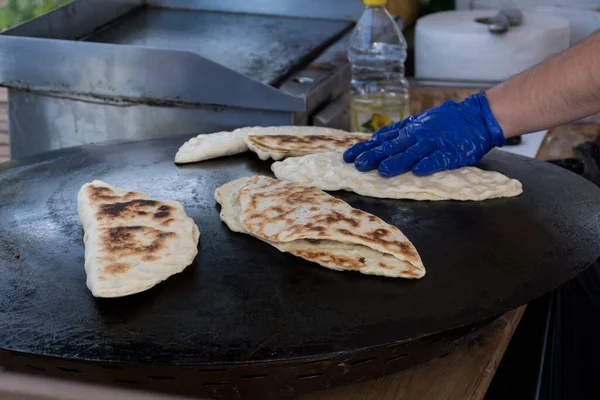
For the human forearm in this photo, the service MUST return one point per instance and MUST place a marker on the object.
(457, 134)
(563, 89)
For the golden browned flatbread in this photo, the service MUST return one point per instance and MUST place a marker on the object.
(328, 171)
(219, 144)
(132, 242)
(311, 224)
(279, 147)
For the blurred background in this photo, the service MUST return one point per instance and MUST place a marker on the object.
(13, 12)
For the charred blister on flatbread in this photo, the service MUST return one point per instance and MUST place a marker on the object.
(100, 194)
(117, 268)
(377, 237)
(280, 211)
(305, 143)
(163, 212)
(126, 209)
(133, 209)
(313, 225)
(336, 261)
(125, 241)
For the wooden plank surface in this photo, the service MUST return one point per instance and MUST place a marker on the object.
(464, 374)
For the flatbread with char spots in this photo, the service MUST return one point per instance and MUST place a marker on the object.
(308, 223)
(132, 242)
(279, 147)
(207, 146)
(328, 171)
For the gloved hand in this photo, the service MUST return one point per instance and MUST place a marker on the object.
(449, 136)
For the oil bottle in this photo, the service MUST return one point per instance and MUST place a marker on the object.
(377, 52)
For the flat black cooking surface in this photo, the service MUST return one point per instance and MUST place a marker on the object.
(242, 300)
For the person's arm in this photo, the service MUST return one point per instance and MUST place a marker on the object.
(454, 135)
(560, 90)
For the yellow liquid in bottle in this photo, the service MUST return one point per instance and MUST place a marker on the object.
(369, 113)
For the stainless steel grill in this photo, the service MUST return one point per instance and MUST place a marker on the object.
(97, 70)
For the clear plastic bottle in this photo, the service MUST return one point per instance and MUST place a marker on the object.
(378, 90)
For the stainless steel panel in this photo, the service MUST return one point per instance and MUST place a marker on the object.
(323, 79)
(135, 73)
(264, 48)
(433, 83)
(328, 9)
(132, 73)
(335, 115)
(40, 123)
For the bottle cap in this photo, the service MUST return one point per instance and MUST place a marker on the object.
(375, 2)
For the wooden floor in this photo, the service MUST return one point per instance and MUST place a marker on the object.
(4, 154)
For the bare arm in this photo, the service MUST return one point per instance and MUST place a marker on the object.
(454, 135)
(560, 90)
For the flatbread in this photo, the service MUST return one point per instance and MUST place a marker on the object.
(220, 144)
(279, 147)
(132, 242)
(308, 223)
(328, 171)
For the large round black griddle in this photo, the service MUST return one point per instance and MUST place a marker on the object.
(243, 305)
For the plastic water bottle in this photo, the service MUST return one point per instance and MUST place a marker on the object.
(378, 90)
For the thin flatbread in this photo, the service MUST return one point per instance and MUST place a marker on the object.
(308, 223)
(132, 242)
(279, 147)
(328, 171)
(207, 146)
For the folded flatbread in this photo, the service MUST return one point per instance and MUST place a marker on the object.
(279, 147)
(309, 223)
(328, 171)
(220, 144)
(132, 242)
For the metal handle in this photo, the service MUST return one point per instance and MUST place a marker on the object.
(503, 20)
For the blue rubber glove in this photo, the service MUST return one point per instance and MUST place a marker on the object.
(449, 136)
